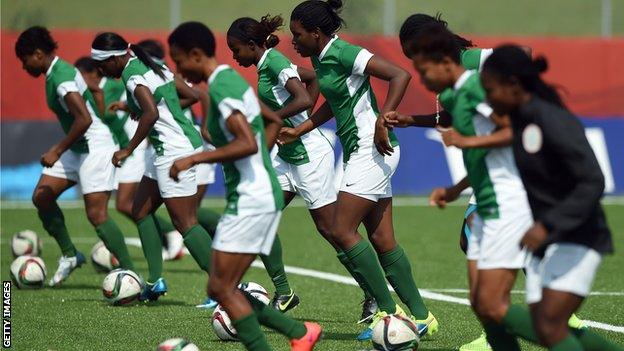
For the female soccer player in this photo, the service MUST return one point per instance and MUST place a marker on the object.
(503, 213)
(112, 92)
(564, 186)
(82, 156)
(153, 98)
(371, 155)
(254, 198)
(305, 166)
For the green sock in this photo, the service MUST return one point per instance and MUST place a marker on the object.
(518, 322)
(274, 319)
(54, 223)
(199, 244)
(570, 343)
(152, 246)
(249, 333)
(342, 257)
(364, 261)
(164, 225)
(593, 341)
(112, 237)
(275, 268)
(399, 274)
(208, 219)
(499, 338)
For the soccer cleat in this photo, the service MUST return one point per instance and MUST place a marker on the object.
(576, 323)
(311, 337)
(367, 333)
(208, 304)
(152, 291)
(369, 308)
(478, 344)
(65, 267)
(426, 327)
(175, 246)
(285, 303)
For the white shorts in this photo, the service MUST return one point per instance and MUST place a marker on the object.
(495, 243)
(133, 168)
(206, 171)
(367, 174)
(93, 171)
(313, 181)
(157, 168)
(253, 234)
(565, 267)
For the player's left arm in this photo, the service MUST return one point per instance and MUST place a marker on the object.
(308, 77)
(398, 80)
(300, 102)
(187, 95)
(272, 124)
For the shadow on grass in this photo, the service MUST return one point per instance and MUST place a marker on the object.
(77, 287)
(339, 336)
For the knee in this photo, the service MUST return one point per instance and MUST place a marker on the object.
(41, 199)
(219, 289)
(124, 207)
(549, 327)
(488, 309)
(182, 225)
(382, 242)
(97, 216)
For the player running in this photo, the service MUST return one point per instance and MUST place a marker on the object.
(153, 99)
(371, 155)
(305, 166)
(254, 198)
(82, 156)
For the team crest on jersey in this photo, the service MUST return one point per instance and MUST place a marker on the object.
(532, 138)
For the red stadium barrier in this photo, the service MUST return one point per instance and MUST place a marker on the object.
(586, 68)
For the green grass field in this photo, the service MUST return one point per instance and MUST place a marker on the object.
(493, 17)
(75, 317)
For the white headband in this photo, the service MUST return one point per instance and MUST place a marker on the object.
(101, 55)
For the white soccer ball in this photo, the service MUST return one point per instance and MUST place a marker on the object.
(26, 242)
(28, 272)
(122, 287)
(102, 259)
(222, 325)
(177, 344)
(256, 290)
(395, 333)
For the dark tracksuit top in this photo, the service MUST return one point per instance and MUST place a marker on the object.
(561, 175)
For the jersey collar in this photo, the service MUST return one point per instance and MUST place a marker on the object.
(263, 58)
(54, 61)
(216, 71)
(102, 83)
(326, 48)
(462, 79)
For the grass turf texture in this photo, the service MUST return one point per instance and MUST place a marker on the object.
(494, 17)
(75, 317)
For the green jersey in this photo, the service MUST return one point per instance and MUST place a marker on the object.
(251, 184)
(274, 70)
(114, 90)
(492, 172)
(340, 72)
(61, 79)
(173, 133)
(471, 59)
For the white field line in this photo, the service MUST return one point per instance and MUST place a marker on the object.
(465, 291)
(407, 201)
(432, 294)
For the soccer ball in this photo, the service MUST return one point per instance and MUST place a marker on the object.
(122, 287)
(222, 325)
(177, 344)
(28, 272)
(102, 259)
(256, 290)
(26, 242)
(395, 333)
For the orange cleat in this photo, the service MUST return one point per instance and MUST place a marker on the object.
(307, 342)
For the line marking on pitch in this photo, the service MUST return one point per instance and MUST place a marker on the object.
(341, 279)
(465, 291)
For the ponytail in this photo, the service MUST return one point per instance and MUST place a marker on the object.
(109, 44)
(247, 29)
(510, 62)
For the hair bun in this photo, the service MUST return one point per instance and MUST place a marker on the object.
(540, 64)
(271, 41)
(335, 5)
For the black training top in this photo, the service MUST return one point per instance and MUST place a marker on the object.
(561, 175)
